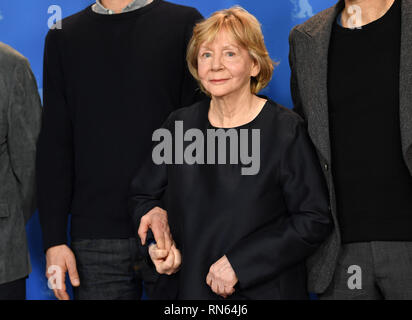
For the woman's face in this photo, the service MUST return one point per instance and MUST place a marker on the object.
(224, 67)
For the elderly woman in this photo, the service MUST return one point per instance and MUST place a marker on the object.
(241, 229)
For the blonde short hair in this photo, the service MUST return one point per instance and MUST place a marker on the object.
(246, 30)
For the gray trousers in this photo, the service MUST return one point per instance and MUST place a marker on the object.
(372, 271)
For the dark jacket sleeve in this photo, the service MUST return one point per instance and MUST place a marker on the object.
(190, 91)
(146, 191)
(294, 88)
(267, 252)
(24, 127)
(55, 149)
(148, 187)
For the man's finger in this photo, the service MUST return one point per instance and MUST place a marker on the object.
(65, 296)
(61, 293)
(159, 236)
(53, 282)
(72, 270)
(56, 281)
(168, 240)
(56, 294)
(143, 229)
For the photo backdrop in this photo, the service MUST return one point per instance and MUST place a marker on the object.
(24, 25)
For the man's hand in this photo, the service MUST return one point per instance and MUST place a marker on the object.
(59, 260)
(166, 262)
(222, 278)
(156, 219)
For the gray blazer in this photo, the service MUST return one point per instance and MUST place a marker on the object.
(309, 44)
(20, 117)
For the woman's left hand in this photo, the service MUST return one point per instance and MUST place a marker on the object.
(164, 261)
(222, 278)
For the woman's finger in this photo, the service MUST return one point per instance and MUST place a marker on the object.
(229, 291)
(209, 280)
(220, 289)
(215, 289)
(168, 263)
(160, 254)
(178, 259)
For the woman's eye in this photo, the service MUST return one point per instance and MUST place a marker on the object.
(206, 55)
(230, 54)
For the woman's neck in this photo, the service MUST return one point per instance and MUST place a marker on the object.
(234, 110)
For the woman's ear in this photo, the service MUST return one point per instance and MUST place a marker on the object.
(255, 68)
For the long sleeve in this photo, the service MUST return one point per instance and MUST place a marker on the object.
(23, 130)
(294, 88)
(147, 189)
(148, 186)
(190, 92)
(265, 253)
(55, 149)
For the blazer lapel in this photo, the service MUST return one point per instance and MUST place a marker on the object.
(318, 117)
(405, 84)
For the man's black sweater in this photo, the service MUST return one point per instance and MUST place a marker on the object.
(373, 184)
(109, 82)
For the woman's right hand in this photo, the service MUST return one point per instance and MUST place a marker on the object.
(166, 262)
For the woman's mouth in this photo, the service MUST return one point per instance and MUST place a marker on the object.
(218, 81)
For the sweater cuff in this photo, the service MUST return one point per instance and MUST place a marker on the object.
(54, 240)
(236, 260)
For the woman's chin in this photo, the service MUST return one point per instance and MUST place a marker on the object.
(220, 93)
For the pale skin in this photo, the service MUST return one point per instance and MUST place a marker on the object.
(166, 262)
(225, 70)
(371, 10)
(62, 256)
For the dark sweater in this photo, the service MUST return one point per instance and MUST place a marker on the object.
(109, 81)
(265, 223)
(373, 184)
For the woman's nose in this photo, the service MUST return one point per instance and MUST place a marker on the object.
(217, 63)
